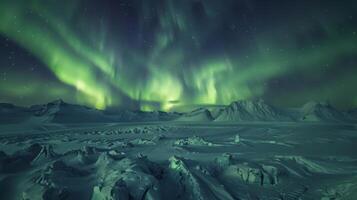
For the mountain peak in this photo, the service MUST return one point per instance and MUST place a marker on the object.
(313, 106)
(251, 110)
(200, 114)
(57, 102)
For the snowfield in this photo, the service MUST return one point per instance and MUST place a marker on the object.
(179, 160)
(246, 150)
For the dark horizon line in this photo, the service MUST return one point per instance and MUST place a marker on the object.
(193, 106)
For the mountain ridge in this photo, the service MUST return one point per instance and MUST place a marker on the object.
(59, 111)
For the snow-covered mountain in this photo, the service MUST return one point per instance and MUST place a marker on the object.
(59, 111)
(321, 111)
(257, 110)
(10, 113)
(201, 114)
(139, 116)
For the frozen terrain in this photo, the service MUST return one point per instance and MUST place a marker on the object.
(257, 152)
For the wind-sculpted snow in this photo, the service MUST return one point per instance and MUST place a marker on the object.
(194, 140)
(126, 178)
(250, 173)
(180, 161)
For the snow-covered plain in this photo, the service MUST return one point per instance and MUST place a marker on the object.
(248, 150)
(180, 160)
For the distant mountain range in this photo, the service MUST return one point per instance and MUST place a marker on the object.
(61, 112)
(259, 110)
(252, 111)
(239, 111)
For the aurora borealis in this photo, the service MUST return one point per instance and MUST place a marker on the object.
(173, 54)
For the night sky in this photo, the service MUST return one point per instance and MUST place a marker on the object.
(178, 54)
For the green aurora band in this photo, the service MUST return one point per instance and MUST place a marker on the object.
(181, 62)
